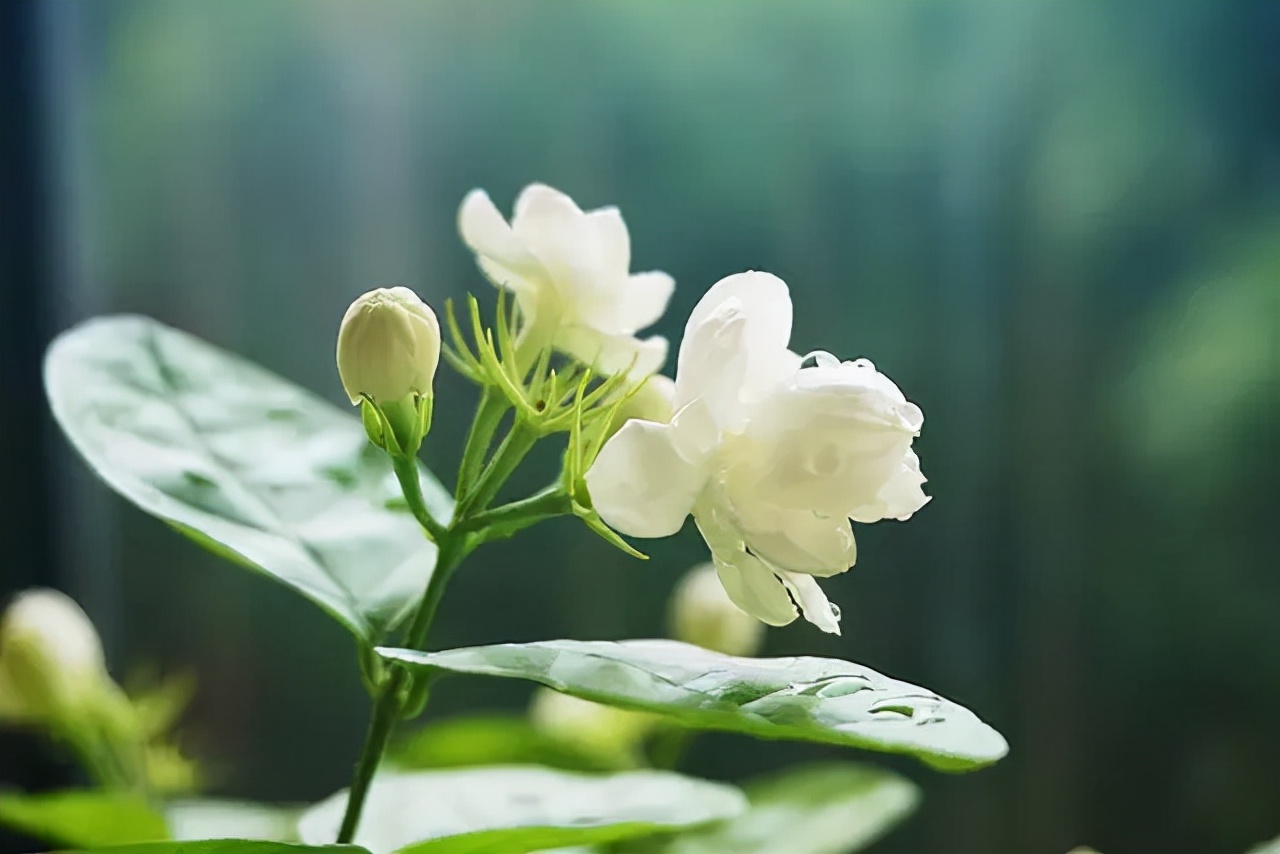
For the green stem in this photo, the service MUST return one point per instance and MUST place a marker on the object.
(511, 518)
(493, 405)
(453, 547)
(406, 469)
(509, 454)
(97, 759)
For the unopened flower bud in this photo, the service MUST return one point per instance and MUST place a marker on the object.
(702, 614)
(605, 729)
(388, 347)
(51, 660)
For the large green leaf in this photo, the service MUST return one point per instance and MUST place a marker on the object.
(513, 810)
(828, 808)
(812, 699)
(216, 818)
(497, 739)
(245, 463)
(226, 846)
(82, 818)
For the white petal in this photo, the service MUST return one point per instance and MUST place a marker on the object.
(642, 299)
(756, 590)
(640, 485)
(553, 228)
(799, 540)
(485, 231)
(900, 497)
(612, 238)
(611, 354)
(814, 604)
(735, 344)
(505, 277)
(570, 249)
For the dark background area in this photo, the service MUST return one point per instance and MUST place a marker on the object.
(1055, 224)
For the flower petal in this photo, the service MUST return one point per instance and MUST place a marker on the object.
(643, 299)
(612, 354)
(735, 344)
(900, 497)
(612, 238)
(813, 603)
(750, 584)
(487, 234)
(552, 226)
(755, 589)
(640, 485)
(799, 540)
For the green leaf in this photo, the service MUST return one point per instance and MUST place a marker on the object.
(496, 740)
(214, 818)
(82, 818)
(245, 463)
(514, 810)
(827, 808)
(228, 846)
(809, 699)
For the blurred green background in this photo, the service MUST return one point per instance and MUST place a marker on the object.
(1055, 224)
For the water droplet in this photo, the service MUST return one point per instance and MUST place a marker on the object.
(835, 611)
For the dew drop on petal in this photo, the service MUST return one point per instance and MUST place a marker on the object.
(835, 610)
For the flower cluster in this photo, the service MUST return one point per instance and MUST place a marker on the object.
(774, 454)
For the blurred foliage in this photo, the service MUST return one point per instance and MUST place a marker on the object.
(1052, 223)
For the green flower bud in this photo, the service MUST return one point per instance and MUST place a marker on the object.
(388, 347)
(606, 730)
(51, 661)
(702, 614)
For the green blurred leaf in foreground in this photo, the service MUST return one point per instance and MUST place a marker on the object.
(520, 809)
(82, 818)
(227, 846)
(807, 699)
(245, 463)
(825, 808)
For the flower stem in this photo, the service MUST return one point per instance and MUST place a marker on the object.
(406, 469)
(493, 405)
(504, 521)
(453, 547)
(509, 454)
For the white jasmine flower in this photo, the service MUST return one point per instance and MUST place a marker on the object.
(772, 456)
(570, 273)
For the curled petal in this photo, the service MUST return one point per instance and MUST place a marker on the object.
(640, 485)
(736, 339)
(900, 497)
(813, 603)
